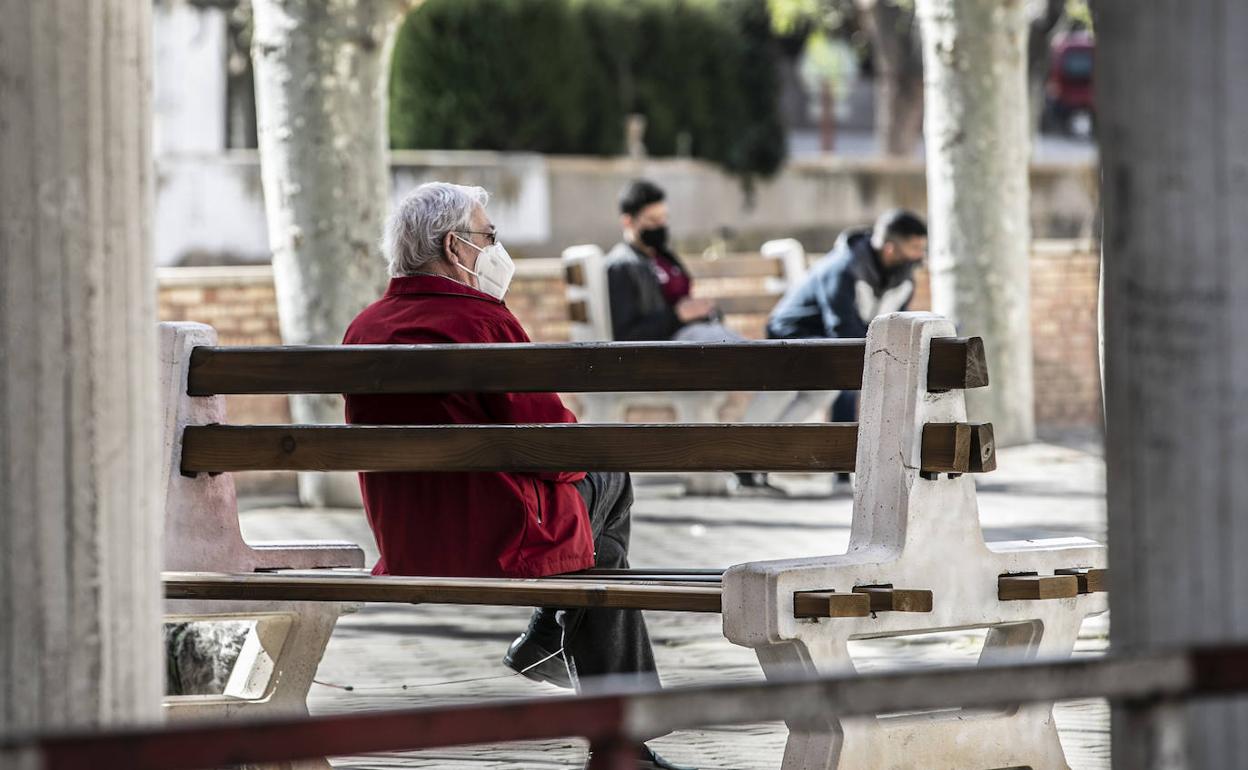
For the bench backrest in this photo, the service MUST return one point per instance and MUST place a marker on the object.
(360, 369)
(202, 530)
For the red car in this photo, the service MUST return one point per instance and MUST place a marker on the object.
(1068, 94)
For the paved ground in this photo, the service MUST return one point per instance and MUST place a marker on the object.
(397, 657)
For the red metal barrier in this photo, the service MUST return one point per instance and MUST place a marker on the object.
(613, 723)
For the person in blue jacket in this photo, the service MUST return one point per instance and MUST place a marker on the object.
(869, 272)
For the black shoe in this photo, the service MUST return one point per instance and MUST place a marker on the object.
(649, 759)
(758, 484)
(530, 658)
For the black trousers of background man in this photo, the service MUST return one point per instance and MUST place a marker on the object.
(602, 642)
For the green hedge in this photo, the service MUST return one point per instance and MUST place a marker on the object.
(558, 76)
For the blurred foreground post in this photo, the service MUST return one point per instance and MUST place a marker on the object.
(80, 525)
(1173, 124)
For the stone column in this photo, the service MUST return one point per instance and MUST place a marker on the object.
(80, 528)
(1173, 124)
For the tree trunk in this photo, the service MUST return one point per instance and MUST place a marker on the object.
(978, 138)
(1173, 123)
(1039, 40)
(898, 74)
(80, 524)
(321, 83)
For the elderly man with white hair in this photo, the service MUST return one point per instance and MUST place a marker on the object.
(449, 275)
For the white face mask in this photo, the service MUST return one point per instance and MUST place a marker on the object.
(494, 268)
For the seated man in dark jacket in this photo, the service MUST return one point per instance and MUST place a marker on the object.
(448, 277)
(868, 273)
(650, 289)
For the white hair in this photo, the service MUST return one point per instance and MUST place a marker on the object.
(417, 227)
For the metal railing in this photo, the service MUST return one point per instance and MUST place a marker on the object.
(614, 722)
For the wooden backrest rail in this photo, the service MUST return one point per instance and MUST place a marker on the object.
(564, 447)
(955, 362)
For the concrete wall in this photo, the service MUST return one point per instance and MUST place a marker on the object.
(209, 205)
(189, 50)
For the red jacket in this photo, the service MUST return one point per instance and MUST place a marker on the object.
(464, 524)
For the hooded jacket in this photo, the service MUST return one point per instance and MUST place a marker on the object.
(842, 293)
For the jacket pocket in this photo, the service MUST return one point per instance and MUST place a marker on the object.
(537, 497)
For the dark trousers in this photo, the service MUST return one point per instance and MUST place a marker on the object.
(601, 642)
(844, 409)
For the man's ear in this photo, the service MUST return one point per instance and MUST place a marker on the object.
(888, 252)
(448, 251)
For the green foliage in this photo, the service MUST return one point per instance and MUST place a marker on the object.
(559, 76)
(1080, 13)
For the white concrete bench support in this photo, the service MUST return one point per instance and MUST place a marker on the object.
(913, 532)
(202, 533)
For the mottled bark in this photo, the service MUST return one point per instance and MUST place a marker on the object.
(321, 82)
(894, 32)
(1172, 107)
(978, 148)
(80, 526)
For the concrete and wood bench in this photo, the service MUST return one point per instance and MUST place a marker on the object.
(917, 560)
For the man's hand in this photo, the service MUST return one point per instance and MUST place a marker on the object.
(693, 309)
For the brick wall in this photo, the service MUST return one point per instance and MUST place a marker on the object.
(239, 302)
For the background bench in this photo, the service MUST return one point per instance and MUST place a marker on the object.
(745, 286)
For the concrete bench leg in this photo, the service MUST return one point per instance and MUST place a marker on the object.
(809, 746)
(275, 668)
(279, 658)
(278, 661)
(1021, 736)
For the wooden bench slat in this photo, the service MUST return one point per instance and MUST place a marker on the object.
(632, 571)
(830, 604)
(425, 590)
(1091, 580)
(735, 267)
(951, 447)
(647, 578)
(960, 366)
(746, 304)
(519, 448)
(889, 599)
(958, 447)
(578, 312)
(540, 592)
(955, 362)
(535, 448)
(1022, 587)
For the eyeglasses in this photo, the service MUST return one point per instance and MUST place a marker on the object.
(490, 235)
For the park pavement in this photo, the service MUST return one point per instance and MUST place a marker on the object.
(396, 656)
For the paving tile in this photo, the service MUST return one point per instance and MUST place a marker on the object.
(401, 656)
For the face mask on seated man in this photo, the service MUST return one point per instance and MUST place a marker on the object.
(494, 269)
